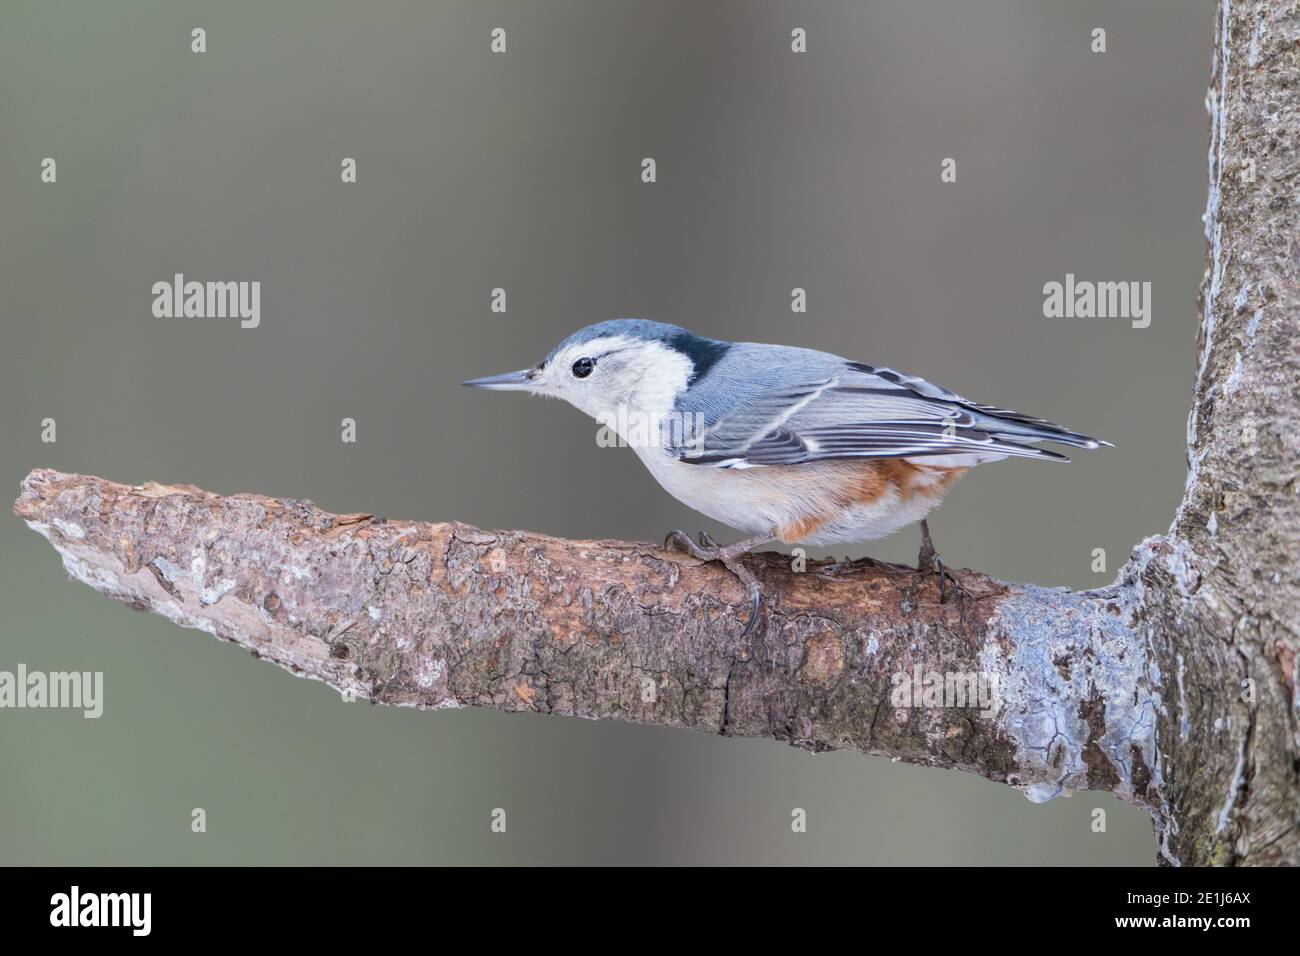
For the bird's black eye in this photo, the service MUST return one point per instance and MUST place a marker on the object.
(582, 368)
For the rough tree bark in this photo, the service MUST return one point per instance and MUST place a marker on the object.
(1175, 687)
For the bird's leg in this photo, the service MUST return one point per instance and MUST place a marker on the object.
(729, 556)
(927, 556)
(927, 559)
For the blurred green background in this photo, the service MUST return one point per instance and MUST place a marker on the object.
(522, 170)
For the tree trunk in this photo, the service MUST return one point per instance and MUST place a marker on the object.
(1174, 687)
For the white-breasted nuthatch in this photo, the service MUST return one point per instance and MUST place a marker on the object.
(780, 442)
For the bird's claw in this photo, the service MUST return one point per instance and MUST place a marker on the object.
(937, 567)
(934, 565)
(681, 541)
(755, 594)
(709, 550)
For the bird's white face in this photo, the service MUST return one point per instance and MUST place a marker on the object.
(613, 379)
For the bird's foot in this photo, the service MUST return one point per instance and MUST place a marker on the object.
(729, 556)
(928, 561)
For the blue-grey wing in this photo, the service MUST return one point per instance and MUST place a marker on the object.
(855, 411)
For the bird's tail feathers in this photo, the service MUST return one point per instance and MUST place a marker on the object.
(1019, 428)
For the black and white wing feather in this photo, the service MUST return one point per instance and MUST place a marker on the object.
(859, 411)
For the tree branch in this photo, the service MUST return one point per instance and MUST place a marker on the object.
(1175, 687)
(445, 615)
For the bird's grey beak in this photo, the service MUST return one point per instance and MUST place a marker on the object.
(508, 382)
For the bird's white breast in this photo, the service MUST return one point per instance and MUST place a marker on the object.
(761, 500)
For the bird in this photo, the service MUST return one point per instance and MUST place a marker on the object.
(779, 442)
